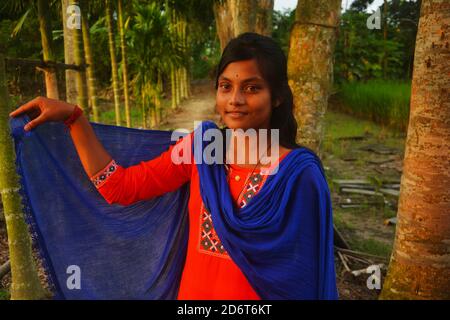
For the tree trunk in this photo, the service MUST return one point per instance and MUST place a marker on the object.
(69, 57)
(172, 82)
(144, 116)
(420, 262)
(25, 280)
(112, 53)
(244, 17)
(185, 46)
(385, 26)
(90, 71)
(78, 50)
(264, 24)
(234, 17)
(224, 22)
(310, 65)
(159, 91)
(124, 63)
(51, 81)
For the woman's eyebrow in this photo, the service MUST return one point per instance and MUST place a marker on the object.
(244, 81)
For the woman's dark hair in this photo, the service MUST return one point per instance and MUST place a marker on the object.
(272, 64)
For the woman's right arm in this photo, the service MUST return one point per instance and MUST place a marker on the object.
(120, 185)
(92, 154)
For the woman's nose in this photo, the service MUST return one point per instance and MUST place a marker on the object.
(237, 98)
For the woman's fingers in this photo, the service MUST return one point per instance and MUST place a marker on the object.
(34, 123)
(30, 105)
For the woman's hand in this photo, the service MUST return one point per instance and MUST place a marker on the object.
(42, 110)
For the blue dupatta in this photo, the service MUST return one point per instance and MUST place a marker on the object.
(282, 240)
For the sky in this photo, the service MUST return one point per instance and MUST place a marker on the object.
(291, 4)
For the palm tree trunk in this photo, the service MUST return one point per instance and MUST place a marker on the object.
(51, 81)
(124, 64)
(144, 119)
(159, 91)
(420, 262)
(173, 88)
(25, 280)
(112, 53)
(385, 26)
(181, 82)
(90, 71)
(185, 46)
(69, 57)
(78, 50)
(310, 65)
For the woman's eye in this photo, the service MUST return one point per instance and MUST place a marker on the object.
(252, 89)
(224, 86)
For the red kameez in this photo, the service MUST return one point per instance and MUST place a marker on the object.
(209, 273)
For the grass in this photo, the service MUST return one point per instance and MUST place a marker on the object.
(4, 294)
(371, 246)
(108, 116)
(385, 102)
(339, 125)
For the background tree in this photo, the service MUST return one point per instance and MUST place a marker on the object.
(69, 56)
(51, 81)
(25, 281)
(80, 75)
(310, 65)
(112, 54)
(151, 57)
(420, 264)
(123, 47)
(234, 17)
(88, 54)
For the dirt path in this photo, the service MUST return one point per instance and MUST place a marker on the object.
(200, 106)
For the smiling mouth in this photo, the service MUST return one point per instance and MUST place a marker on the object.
(236, 114)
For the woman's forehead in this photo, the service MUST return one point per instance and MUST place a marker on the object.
(242, 71)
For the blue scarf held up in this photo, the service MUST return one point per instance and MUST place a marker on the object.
(282, 240)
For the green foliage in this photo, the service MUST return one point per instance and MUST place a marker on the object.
(385, 102)
(154, 47)
(360, 52)
(205, 54)
(282, 22)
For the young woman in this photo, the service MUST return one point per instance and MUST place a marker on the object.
(261, 236)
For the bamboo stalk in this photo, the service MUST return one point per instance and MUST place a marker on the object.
(112, 53)
(124, 64)
(25, 281)
(90, 71)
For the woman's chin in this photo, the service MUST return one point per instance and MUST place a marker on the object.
(236, 125)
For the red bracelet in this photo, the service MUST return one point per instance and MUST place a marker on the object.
(77, 112)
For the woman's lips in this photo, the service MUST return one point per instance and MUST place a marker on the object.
(236, 115)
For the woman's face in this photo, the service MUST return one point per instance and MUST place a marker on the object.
(243, 97)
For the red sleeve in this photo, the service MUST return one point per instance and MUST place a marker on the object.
(147, 179)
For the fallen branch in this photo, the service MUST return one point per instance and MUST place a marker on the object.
(339, 239)
(358, 253)
(344, 262)
(45, 64)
